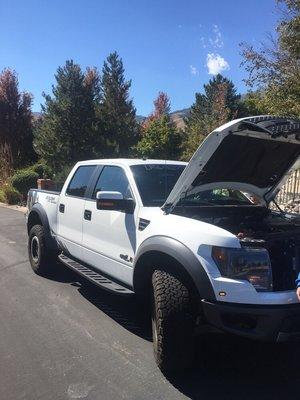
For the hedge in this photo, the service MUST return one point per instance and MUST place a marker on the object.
(42, 170)
(10, 195)
(24, 179)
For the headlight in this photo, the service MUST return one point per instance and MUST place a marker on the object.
(248, 264)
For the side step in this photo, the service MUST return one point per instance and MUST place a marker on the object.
(95, 277)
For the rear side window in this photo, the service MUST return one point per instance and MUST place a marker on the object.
(113, 179)
(80, 181)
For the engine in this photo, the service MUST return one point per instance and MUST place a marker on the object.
(257, 226)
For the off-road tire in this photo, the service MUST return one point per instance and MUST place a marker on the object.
(42, 259)
(173, 322)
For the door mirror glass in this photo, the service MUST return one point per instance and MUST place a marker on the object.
(114, 201)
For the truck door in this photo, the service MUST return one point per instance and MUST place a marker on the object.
(109, 236)
(71, 210)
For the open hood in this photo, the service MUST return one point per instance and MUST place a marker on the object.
(253, 154)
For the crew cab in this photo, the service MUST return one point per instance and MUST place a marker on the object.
(197, 242)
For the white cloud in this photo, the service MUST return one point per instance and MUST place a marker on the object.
(216, 64)
(216, 41)
(193, 70)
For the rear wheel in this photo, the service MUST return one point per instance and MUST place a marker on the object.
(173, 322)
(42, 259)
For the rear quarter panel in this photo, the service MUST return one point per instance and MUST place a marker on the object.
(49, 202)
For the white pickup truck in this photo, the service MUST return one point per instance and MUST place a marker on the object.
(197, 241)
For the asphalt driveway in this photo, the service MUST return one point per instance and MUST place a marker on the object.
(62, 338)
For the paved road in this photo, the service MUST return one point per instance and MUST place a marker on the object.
(65, 339)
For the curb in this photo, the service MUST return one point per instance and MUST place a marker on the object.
(16, 208)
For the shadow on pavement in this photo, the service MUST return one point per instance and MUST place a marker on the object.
(124, 310)
(226, 367)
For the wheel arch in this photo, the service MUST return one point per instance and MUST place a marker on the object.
(173, 256)
(38, 216)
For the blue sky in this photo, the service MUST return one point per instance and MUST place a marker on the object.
(166, 45)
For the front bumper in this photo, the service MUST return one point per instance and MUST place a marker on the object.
(267, 322)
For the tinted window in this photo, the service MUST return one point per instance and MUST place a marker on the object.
(155, 181)
(113, 179)
(80, 181)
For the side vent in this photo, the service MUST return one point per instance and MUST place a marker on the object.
(143, 223)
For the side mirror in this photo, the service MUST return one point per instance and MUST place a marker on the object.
(114, 201)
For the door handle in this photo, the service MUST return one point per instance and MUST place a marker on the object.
(87, 215)
(61, 208)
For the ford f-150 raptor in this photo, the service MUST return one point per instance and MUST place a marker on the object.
(187, 238)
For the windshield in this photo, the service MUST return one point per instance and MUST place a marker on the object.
(219, 197)
(155, 181)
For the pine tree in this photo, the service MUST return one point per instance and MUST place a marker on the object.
(68, 130)
(218, 104)
(159, 135)
(16, 148)
(117, 113)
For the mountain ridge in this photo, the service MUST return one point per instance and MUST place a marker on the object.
(176, 116)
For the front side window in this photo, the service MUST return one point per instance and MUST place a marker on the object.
(113, 179)
(79, 183)
(155, 181)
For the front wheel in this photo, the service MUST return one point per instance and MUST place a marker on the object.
(41, 259)
(173, 322)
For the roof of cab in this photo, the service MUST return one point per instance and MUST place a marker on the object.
(129, 161)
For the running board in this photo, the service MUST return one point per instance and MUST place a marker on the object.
(94, 276)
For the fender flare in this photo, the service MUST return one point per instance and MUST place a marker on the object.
(39, 210)
(184, 256)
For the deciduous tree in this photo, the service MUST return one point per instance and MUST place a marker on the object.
(159, 135)
(218, 104)
(274, 69)
(15, 123)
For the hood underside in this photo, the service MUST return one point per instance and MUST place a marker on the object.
(253, 155)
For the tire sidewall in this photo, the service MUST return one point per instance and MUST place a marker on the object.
(36, 234)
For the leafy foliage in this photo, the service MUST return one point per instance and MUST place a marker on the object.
(42, 169)
(15, 124)
(159, 135)
(2, 196)
(275, 69)
(160, 139)
(61, 175)
(11, 195)
(218, 104)
(24, 179)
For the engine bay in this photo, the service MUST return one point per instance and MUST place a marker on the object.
(258, 226)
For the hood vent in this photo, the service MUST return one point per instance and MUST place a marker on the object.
(143, 223)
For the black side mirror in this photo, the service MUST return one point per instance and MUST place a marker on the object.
(114, 201)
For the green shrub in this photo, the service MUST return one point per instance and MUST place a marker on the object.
(2, 196)
(11, 195)
(43, 170)
(24, 179)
